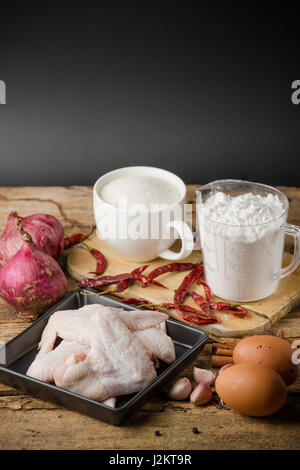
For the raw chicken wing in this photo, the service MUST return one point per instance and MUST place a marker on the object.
(117, 364)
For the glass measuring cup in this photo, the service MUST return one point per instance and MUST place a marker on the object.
(243, 262)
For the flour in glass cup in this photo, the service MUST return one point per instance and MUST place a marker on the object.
(242, 244)
(139, 189)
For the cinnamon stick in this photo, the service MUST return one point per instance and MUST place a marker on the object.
(220, 361)
(222, 352)
(223, 346)
(291, 340)
(225, 341)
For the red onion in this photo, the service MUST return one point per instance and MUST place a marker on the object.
(31, 281)
(45, 230)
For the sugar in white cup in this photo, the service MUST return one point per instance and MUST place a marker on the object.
(116, 225)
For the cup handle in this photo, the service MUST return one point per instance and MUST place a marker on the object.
(294, 231)
(187, 240)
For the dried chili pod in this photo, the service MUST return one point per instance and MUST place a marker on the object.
(123, 285)
(168, 268)
(141, 302)
(158, 284)
(100, 260)
(201, 282)
(104, 281)
(192, 310)
(134, 300)
(136, 273)
(193, 318)
(219, 305)
(74, 240)
(186, 284)
(239, 311)
(145, 281)
(199, 300)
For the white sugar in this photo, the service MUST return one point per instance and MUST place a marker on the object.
(145, 190)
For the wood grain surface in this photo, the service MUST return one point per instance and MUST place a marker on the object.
(29, 423)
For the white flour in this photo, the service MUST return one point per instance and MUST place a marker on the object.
(242, 244)
(243, 215)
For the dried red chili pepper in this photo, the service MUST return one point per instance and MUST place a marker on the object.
(144, 280)
(193, 318)
(138, 276)
(108, 280)
(189, 309)
(100, 259)
(138, 271)
(141, 302)
(168, 268)
(219, 306)
(212, 304)
(239, 311)
(103, 281)
(74, 240)
(236, 310)
(123, 285)
(133, 300)
(201, 282)
(199, 300)
(186, 284)
(156, 283)
(185, 308)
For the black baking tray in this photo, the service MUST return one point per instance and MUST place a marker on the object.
(17, 355)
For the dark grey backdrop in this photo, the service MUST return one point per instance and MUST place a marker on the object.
(202, 91)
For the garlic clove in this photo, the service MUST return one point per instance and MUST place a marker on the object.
(201, 394)
(204, 375)
(224, 367)
(180, 389)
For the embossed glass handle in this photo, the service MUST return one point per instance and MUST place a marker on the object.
(294, 231)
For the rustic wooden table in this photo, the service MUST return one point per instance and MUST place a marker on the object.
(29, 423)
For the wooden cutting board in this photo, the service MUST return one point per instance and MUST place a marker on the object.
(81, 262)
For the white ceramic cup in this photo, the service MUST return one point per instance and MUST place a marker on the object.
(111, 220)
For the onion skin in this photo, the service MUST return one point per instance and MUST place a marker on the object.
(45, 230)
(32, 281)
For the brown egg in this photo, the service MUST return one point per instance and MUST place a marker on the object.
(268, 351)
(251, 390)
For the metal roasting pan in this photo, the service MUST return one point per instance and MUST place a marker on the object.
(17, 355)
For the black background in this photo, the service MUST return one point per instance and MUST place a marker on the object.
(200, 88)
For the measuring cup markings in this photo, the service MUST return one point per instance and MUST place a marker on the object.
(243, 262)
